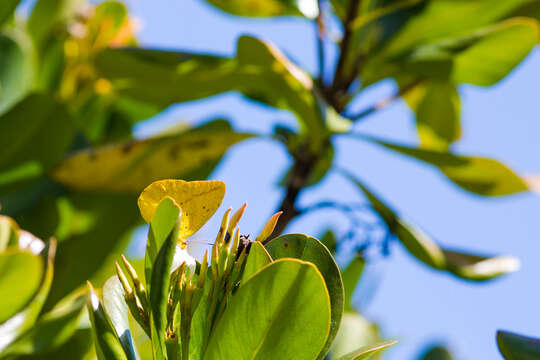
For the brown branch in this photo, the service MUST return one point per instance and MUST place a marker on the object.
(303, 164)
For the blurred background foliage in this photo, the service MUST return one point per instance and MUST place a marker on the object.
(73, 83)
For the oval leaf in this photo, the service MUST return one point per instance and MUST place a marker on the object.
(35, 134)
(25, 319)
(132, 165)
(14, 266)
(16, 71)
(268, 316)
(303, 247)
(479, 175)
(437, 108)
(518, 347)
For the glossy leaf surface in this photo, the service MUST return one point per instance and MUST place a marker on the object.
(269, 315)
(309, 249)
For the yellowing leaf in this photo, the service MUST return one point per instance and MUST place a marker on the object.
(131, 166)
(198, 200)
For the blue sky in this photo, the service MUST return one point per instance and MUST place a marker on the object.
(412, 303)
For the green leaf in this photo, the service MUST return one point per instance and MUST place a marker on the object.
(286, 85)
(52, 330)
(283, 312)
(163, 222)
(46, 14)
(36, 132)
(329, 240)
(25, 319)
(419, 244)
(367, 352)
(108, 222)
(437, 109)
(14, 266)
(7, 9)
(458, 41)
(165, 78)
(517, 347)
(79, 346)
(437, 352)
(422, 247)
(355, 331)
(485, 64)
(108, 346)
(257, 259)
(256, 8)
(350, 276)
(107, 19)
(16, 69)
(414, 240)
(479, 175)
(479, 268)
(8, 232)
(309, 249)
(159, 286)
(442, 19)
(199, 324)
(117, 310)
(131, 166)
(475, 58)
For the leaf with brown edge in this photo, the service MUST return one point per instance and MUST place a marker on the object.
(130, 166)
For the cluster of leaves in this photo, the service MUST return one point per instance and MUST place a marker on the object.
(381, 40)
(70, 167)
(83, 97)
(26, 274)
(71, 92)
(267, 299)
(249, 300)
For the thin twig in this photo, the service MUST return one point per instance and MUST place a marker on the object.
(348, 208)
(385, 102)
(344, 49)
(320, 30)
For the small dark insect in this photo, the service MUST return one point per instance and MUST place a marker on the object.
(245, 243)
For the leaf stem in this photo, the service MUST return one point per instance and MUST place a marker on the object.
(384, 102)
(344, 48)
(320, 30)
